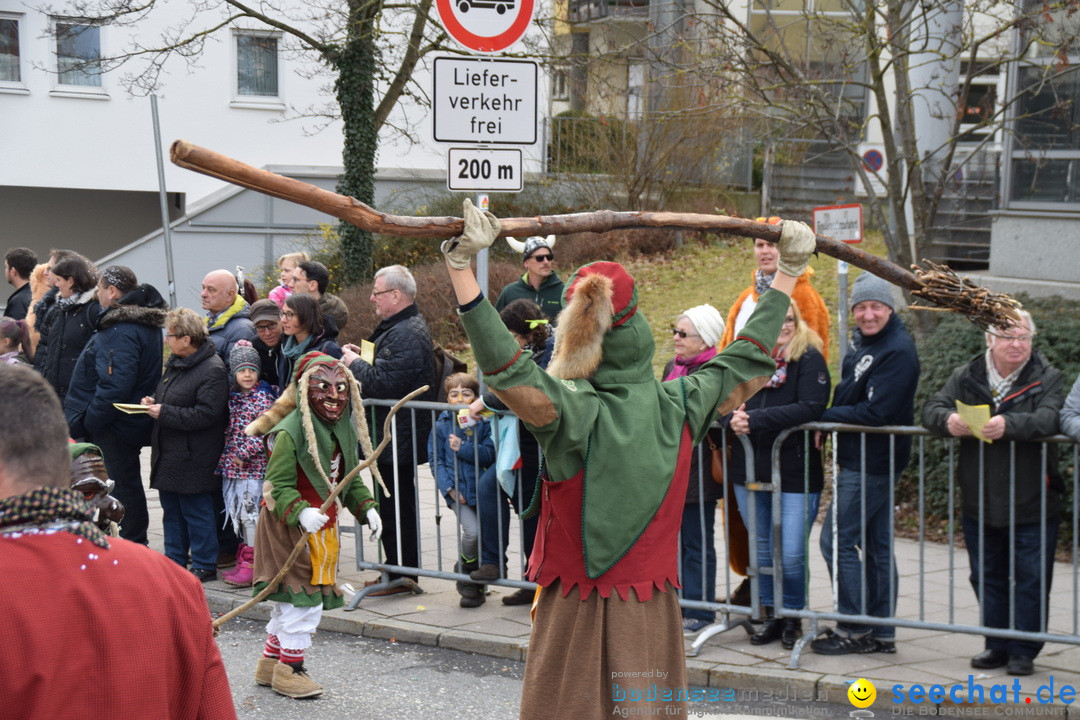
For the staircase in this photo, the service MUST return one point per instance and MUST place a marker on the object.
(961, 236)
(817, 176)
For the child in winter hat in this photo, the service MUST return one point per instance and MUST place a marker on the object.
(243, 462)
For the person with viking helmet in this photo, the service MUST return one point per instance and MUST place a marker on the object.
(313, 430)
(540, 283)
(617, 446)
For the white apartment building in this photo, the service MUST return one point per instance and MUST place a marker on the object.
(79, 168)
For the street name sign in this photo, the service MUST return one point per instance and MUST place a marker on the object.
(482, 101)
(485, 26)
(840, 222)
(490, 170)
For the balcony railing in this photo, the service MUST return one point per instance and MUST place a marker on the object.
(584, 11)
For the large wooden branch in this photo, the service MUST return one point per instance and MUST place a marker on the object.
(208, 162)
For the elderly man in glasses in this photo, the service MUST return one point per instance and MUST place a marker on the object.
(1005, 485)
(540, 283)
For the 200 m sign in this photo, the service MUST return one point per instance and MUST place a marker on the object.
(483, 170)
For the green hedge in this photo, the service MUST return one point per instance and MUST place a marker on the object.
(954, 342)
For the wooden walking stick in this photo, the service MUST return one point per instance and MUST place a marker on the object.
(937, 284)
(331, 498)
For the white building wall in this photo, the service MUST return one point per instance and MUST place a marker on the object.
(104, 140)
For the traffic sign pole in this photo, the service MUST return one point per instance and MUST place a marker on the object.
(841, 222)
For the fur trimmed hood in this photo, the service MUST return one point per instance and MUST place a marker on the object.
(151, 317)
(143, 305)
(601, 335)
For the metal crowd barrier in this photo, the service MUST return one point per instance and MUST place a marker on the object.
(438, 550)
(438, 554)
(924, 618)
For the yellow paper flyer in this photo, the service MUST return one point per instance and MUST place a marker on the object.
(367, 352)
(976, 416)
(131, 408)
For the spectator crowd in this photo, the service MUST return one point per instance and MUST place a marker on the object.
(130, 372)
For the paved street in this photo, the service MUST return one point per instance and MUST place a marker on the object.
(373, 678)
(367, 678)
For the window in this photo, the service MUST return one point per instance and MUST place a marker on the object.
(78, 53)
(635, 86)
(1044, 159)
(980, 105)
(10, 56)
(1046, 156)
(256, 65)
(560, 83)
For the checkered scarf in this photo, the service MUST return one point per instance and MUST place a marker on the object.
(763, 282)
(999, 386)
(50, 510)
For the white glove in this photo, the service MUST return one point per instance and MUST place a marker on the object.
(375, 523)
(797, 243)
(481, 229)
(312, 520)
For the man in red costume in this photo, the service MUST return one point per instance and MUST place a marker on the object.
(105, 628)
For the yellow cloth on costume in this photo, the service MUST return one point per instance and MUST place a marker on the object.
(323, 548)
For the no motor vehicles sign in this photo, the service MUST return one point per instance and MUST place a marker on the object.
(485, 101)
(486, 26)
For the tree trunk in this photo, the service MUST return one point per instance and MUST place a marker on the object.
(355, 92)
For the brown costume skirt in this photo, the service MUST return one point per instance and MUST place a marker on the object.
(274, 541)
(602, 657)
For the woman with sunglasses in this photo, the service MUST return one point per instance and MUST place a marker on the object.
(304, 331)
(797, 393)
(695, 335)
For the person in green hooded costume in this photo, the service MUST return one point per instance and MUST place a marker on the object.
(314, 429)
(617, 446)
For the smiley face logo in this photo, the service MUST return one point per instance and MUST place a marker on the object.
(862, 693)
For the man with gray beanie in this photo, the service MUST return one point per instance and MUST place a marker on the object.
(877, 387)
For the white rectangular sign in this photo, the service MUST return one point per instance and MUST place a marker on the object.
(483, 101)
(473, 170)
(840, 222)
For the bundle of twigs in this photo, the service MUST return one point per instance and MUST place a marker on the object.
(971, 301)
(949, 291)
(301, 543)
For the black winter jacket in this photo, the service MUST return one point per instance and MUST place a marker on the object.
(69, 332)
(801, 399)
(44, 314)
(120, 364)
(189, 435)
(274, 363)
(404, 361)
(1031, 410)
(877, 387)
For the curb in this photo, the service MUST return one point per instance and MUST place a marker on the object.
(792, 685)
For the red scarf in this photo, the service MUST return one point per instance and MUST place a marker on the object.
(780, 375)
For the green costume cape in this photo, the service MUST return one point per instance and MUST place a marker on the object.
(622, 426)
